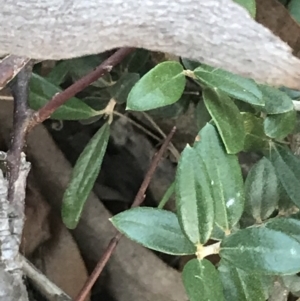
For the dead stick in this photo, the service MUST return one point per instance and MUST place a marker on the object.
(22, 114)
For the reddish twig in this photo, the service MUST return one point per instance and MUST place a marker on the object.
(60, 98)
(115, 240)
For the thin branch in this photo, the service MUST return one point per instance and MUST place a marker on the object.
(172, 148)
(140, 196)
(139, 126)
(47, 288)
(60, 98)
(6, 98)
(21, 119)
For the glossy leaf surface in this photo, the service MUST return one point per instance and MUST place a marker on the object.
(225, 178)
(195, 209)
(163, 85)
(201, 281)
(155, 229)
(83, 177)
(227, 118)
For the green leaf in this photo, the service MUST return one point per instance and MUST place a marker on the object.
(225, 178)
(58, 73)
(234, 85)
(227, 118)
(161, 86)
(155, 229)
(294, 9)
(83, 177)
(217, 233)
(202, 115)
(256, 139)
(287, 168)
(41, 91)
(278, 126)
(241, 286)
(120, 90)
(166, 197)
(201, 281)
(290, 226)
(261, 190)
(172, 111)
(293, 94)
(262, 250)
(250, 5)
(194, 202)
(81, 66)
(136, 61)
(285, 205)
(276, 101)
(190, 65)
(97, 102)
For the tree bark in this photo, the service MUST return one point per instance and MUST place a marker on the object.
(216, 32)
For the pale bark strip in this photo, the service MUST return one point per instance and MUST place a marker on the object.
(217, 32)
(11, 226)
(47, 288)
(10, 66)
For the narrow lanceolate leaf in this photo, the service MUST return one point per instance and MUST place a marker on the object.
(291, 226)
(155, 229)
(285, 205)
(201, 281)
(262, 250)
(278, 126)
(287, 168)
(195, 209)
(81, 66)
(41, 91)
(58, 74)
(231, 84)
(83, 177)
(120, 90)
(217, 233)
(293, 94)
(225, 178)
(172, 111)
(240, 285)
(294, 9)
(256, 139)
(261, 190)
(189, 64)
(250, 5)
(227, 118)
(135, 61)
(201, 114)
(161, 86)
(166, 197)
(276, 101)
